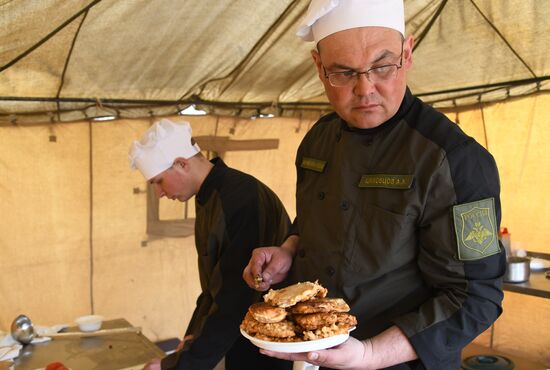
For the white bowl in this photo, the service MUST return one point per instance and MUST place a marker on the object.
(89, 323)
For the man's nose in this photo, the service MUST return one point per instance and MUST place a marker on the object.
(363, 86)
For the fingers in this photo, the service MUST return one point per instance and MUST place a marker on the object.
(277, 268)
(249, 277)
(182, 343)
(260, 259)
(348, 355)
(188, 337)
(253, 272)
(267, 266)
(154, 364)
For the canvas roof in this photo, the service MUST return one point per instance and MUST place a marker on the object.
(73, 60)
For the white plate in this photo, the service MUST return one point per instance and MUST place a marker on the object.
(539, 264)
(295, 347)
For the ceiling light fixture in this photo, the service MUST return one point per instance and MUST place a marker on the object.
(191, 111)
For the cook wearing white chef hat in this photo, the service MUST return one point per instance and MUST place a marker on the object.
(384, 184)
(362, 56)
(170, 160)
(325, 17)
(235, 213)
(163, 142)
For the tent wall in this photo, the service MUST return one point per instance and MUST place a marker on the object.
(54, 195)
(72, 236)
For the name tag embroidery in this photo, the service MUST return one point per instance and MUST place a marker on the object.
(386, 181)
(313, 164)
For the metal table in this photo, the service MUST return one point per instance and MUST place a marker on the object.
(537, 285)
(108, 352)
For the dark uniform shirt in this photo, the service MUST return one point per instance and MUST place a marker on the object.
(235, 213)
(376, 223)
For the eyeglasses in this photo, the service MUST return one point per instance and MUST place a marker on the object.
(375, 74)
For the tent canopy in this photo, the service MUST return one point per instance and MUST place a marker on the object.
(73, 60)
(76, 236)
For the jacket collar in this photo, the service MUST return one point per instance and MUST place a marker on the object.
(212, 181)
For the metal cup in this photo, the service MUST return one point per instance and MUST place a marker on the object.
(517, 270)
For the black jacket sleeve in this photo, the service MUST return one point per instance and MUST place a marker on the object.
(467, 295)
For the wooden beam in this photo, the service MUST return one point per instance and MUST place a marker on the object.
(221, 144)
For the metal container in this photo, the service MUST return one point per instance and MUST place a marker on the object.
(517, 270)
(22, 329)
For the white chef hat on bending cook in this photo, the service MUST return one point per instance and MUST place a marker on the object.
(161, 144)
(325, 17)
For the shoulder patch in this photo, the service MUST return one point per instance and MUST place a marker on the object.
(475, 229)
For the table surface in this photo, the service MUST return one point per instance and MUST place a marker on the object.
(106, 352)
(537, 285)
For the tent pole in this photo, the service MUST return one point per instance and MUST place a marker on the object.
(91, 221)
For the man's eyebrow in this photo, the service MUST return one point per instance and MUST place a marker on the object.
(384, 54)
(341, 66)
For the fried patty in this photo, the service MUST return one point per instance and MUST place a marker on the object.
(313, 321)
(321, 305)
(281, 329)
(266, 313)
(326, 331)
(299, 312)
(293, 294)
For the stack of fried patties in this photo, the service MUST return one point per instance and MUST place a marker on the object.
(297, 313)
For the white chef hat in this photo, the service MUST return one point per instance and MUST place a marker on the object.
(325, 17)
(161, 144)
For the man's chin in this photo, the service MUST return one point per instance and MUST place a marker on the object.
(364, 120)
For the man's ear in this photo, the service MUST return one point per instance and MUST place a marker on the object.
(317, 60)
(180, 162)
(407, 51)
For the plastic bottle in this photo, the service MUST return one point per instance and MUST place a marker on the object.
(505, 240)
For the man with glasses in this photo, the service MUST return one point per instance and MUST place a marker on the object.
(397, 209)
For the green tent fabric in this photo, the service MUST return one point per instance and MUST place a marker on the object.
(63, 61)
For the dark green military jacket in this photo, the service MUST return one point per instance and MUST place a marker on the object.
(235, 213)
(401, 221)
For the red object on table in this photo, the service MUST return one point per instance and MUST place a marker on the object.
(56, 366)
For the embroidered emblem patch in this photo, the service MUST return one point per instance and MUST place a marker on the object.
(386, 181)
(475, 229)
(313, 164)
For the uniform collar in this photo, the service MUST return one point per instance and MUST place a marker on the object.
(401, 112)
(212, 181)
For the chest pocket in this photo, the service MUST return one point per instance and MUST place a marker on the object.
(383, 241)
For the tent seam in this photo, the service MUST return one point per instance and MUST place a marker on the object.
(504, 39)
(48, 36)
